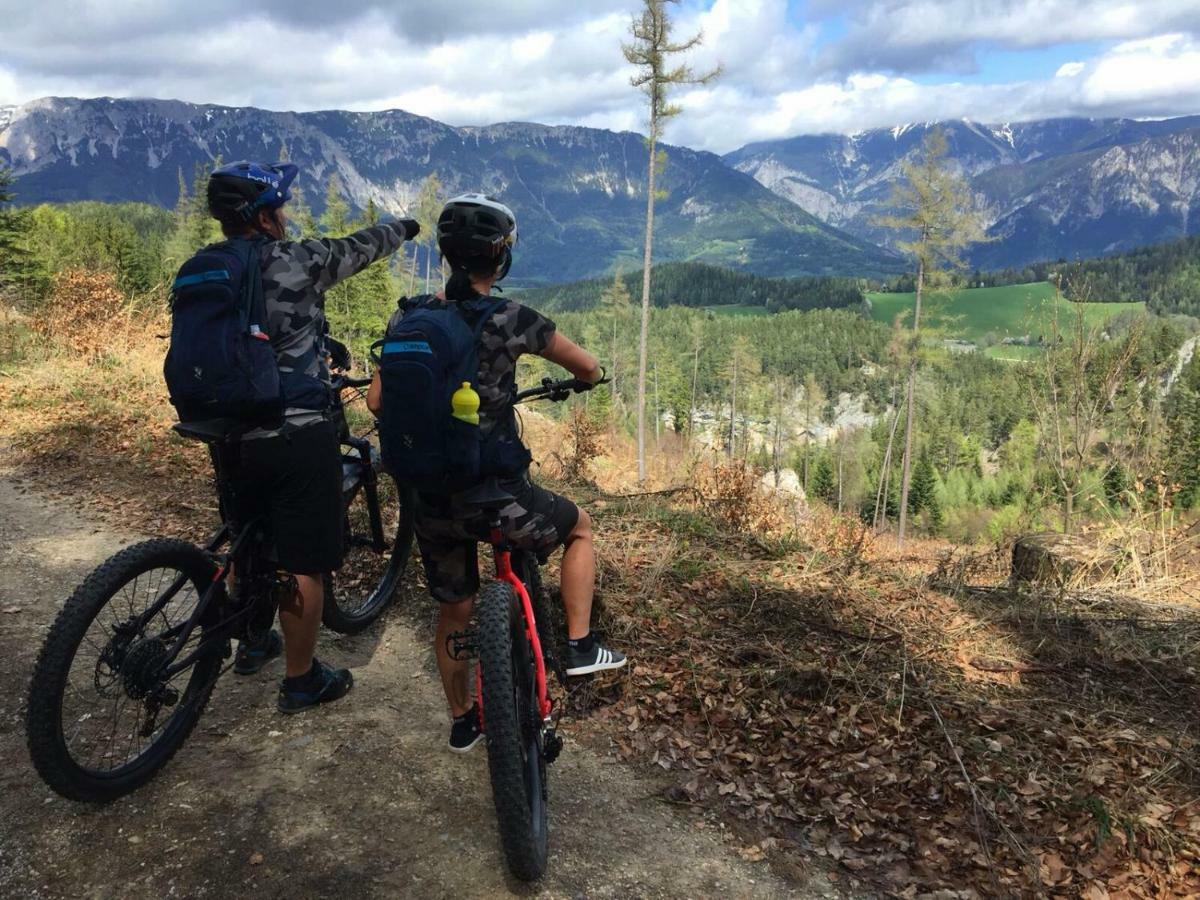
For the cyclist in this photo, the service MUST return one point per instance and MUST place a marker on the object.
(291, 473)
(476, 235)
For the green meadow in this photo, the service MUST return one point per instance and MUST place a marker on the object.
(1000, 312)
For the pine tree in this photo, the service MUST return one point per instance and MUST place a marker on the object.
(301, 221)
(344, 301)
(923, 489)
(651, 51)
(426, 209)
(616, 303)
(824, 485)
(16, 265)
(936, 207)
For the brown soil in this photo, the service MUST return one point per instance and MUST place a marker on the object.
(360, 799)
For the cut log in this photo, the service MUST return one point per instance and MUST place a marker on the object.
(1063, 560)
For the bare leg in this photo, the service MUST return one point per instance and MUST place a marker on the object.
(455, 673)
(299, 619)
(578, 578)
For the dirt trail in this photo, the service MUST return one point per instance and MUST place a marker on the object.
(357, 800)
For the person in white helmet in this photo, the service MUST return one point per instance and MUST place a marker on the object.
(476, 235)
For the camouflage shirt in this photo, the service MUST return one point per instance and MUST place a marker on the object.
(512, 331)
(295, 276)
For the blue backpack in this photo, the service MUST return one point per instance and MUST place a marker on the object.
(221, 363)
(422, 361)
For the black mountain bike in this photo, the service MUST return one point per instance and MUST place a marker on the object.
(132, 658)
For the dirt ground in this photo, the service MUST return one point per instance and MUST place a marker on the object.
(360, 799)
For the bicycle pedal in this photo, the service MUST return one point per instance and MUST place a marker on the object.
(460, 646)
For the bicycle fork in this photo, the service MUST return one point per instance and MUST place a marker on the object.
(461, 645)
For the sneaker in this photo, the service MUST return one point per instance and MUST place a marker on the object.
(321, 685)
(597, 659)
(465, 732)
(252, 657)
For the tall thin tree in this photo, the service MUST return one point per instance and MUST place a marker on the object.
(651, 51)
(935, 207)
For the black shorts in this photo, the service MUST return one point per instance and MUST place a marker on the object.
(448, 533)
(295, 481)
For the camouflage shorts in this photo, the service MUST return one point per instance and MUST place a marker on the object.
(448, 534)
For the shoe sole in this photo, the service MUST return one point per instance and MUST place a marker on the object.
(467, 749)
(597, 667)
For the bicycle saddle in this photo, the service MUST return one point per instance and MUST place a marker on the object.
(213, 431)
(486, 495)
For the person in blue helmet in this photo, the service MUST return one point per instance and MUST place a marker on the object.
(290, 472)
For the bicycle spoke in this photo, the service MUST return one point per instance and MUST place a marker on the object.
(101, 722)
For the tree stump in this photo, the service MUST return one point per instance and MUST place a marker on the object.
(1062, 560)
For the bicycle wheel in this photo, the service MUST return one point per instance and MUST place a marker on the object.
(514, 731)
(367, 582)
(101, 720)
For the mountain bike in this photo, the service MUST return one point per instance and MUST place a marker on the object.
(516, 642)
(132, 658)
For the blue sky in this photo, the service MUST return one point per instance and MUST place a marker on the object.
(790, 67)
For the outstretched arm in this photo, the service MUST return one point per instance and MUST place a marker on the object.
(566, 353)
(326, 261)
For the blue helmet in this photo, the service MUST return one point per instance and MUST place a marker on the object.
(241, 189)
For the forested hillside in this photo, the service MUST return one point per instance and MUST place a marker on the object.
(813, 387)
(696, 284)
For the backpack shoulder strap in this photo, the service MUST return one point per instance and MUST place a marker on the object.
(253, 300)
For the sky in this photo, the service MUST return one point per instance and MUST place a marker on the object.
(788, 66)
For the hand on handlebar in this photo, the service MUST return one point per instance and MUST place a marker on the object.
(580, 385)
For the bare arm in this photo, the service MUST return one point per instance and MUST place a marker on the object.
(375, 394)
(566, 353)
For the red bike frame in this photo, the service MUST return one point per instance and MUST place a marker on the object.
(505, 573)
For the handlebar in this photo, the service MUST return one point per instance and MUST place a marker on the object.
(345, 382)
(557, 391)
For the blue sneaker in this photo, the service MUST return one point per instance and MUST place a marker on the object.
(321, 685)
(252, 657)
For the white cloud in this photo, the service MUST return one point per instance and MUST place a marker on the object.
(925, 35)
(544, 61)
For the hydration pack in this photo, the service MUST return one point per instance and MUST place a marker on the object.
(422, 361)
(221, 363)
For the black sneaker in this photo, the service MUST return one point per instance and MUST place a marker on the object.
(465, 732)
(252, 657)
(321, 685)
(597, 659)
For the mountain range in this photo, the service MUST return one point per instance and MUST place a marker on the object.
(807, 205)
(579, 193)
(1069, 188)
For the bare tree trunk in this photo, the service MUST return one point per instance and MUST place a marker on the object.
(906, 463)
(841, 469)
(733, 411)
(428, 265)
(778, 440)
(641, 394)
(885, 474)
(412, 272)
(657, 411)
(692, 404)
(613, 358)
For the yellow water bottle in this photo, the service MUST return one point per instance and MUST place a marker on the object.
(465, 404)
